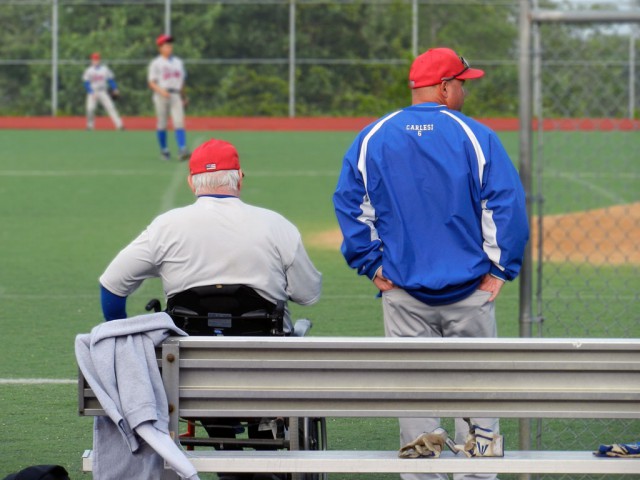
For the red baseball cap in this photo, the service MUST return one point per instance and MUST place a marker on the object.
(164, 38)
(95, 56)
(214, 156)
(439, 64)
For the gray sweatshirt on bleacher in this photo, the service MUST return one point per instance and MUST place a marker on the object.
(118, 360)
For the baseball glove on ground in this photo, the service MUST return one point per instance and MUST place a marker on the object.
(426, 445)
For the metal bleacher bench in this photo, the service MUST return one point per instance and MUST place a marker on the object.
(398, 377)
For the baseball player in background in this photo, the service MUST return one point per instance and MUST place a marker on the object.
(98, 79)
(166, 78)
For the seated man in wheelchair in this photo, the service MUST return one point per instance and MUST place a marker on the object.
(217, 241)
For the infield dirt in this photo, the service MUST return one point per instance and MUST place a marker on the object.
(601, 236)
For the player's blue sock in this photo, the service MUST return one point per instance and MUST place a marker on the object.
(162, 139)
(181, 138)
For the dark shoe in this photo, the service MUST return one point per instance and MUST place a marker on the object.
(185, 154)
(165, 155)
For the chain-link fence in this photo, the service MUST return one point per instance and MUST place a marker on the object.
(586, 177)
(252, 57)
(259, 57)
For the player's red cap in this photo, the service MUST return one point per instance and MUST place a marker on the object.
(164, 38)
(213, 156)
(439, 64)
(95, 56)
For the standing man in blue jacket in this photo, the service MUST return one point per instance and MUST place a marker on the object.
(433, 212)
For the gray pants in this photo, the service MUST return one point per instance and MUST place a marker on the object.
(404, 316)
(165, 106)
(103, 98)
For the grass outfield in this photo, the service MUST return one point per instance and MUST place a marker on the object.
(70, 200)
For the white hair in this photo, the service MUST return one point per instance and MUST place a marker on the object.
(209, 182)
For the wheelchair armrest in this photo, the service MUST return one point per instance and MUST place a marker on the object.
(255, 315)
(181, 311)
(301, 327)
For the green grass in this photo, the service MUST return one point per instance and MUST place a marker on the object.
(586, 170)
(70, 200)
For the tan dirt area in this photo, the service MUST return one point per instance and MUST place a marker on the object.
(601, 236)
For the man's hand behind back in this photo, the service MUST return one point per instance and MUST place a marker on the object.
(381, 282)
(492, 285)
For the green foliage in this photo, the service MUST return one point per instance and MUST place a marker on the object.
(349, 33)
(24, 34)
(352, 58)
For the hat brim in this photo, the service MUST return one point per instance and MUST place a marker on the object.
(164, 40)
(470, 74)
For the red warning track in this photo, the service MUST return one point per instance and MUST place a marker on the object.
(193, 123)
(299, 124)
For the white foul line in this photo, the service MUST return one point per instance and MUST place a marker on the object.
(603, 192)
(177, 180)
(162, 173)
(38, 381)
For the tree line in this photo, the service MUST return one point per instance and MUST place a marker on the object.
(353, 58)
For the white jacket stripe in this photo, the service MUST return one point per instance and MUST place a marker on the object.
(489, 229)
(476, 145)
(368, 211)
(362, 158)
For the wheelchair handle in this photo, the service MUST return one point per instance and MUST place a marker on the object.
(154, 304)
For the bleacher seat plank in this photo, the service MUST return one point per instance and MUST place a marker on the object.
(368, 461)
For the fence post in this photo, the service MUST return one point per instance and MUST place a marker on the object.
(525, 115)
(632, 72)
(54, 58)
(414, 28)
(292, 58)
(167, 17)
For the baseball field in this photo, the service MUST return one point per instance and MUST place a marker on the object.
(69, 200)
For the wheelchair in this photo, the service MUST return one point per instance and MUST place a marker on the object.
(238, 310)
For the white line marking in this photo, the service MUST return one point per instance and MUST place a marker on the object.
(38, 381)
(50, 296)
(145, 173)
(78, 173)
(169, 197)
(295, 173)
(624, 175)
(583, 296)
(593, 187)
(137, 173)
(263, 173)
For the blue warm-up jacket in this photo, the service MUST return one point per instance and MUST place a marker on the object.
(431, 196)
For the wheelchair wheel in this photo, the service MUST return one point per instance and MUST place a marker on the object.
(307, 434)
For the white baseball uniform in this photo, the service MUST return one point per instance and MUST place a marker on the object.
(98, 77)
(218, 241)
(169, 74)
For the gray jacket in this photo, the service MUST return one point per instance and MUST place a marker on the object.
(119, 362)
